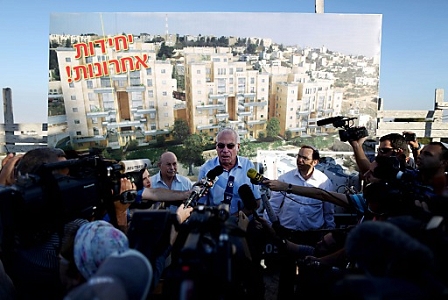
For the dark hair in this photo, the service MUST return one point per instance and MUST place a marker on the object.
(33, 159)
(316, 155)
(444, 154)
(397, 141)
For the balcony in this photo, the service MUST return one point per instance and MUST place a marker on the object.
(135, 88)
(101, 90)
(297, 129)
(120, 124)
(144, 111)
(255, 122)
(218, 96)
(209, 126)
(256, 103)
(302, 113)
(326, 110)
(222, 116)
(210, 106)
(86, 139)
(155, 132)
(244, 113)
(97, 114)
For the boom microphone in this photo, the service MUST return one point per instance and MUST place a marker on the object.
(204, 185)
(247, 196)
(329, 120)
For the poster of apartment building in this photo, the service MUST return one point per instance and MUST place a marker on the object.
(118, 77)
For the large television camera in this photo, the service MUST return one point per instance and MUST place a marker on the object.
(211, 258)
(398, 189)
(42, 202)
(349, 132)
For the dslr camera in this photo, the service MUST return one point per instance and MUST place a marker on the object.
(348, 131)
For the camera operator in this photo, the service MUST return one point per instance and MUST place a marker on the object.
(413, 143)
(392, 144)
(33, 263)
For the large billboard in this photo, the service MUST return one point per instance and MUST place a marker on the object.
(117, 78)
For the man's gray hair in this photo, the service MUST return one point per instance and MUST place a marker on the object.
(228, 130)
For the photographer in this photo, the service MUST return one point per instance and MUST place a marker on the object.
(392, 144)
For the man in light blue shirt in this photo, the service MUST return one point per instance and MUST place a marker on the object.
(233, 177)
(168, 178)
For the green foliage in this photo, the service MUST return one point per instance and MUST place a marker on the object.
(165, 51)
(288, 134)
(192, 151)
(160, 140)
(272, 127)
(180, 130)
(132, 145)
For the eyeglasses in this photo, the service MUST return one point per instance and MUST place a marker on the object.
(385, 150)
(222, 145)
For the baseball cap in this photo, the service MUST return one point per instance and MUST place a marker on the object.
(122, 276)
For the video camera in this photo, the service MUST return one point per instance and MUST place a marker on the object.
(399, 188)
(210, 256)
(349, 132)
(42, 202)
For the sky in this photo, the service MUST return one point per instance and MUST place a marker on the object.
(414, 43)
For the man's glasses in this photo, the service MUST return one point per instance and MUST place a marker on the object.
(222, 145)
(385, 150)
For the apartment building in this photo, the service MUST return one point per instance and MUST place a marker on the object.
(299, 103)
(221, 93)
(125, 103)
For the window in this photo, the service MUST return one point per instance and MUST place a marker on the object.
(164, 93)
(78, 132)
(68, 59)
(75, 109)
(151, 94)
(165, 103)
(149, 82)
(163, 71)
(165, 115)
(89, 60)
(73, 97)
(77, 122)
(89, 84)
(149, 71)
(71, 85)
(198, 71)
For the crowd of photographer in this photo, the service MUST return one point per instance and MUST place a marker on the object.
(68, 222)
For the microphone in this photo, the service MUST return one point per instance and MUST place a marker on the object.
(247, 196)
(134, 165)
(205, 184)
(257, 178)
(329, 120)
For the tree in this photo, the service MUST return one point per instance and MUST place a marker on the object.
(192, 152)
(288, 134)
(165, 51)
(180, 130)
(272, 128)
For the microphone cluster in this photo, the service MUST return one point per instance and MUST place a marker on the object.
(202, 187)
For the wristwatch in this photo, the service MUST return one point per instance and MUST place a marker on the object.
(289, 189)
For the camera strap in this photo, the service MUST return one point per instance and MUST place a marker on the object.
(228, 193)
